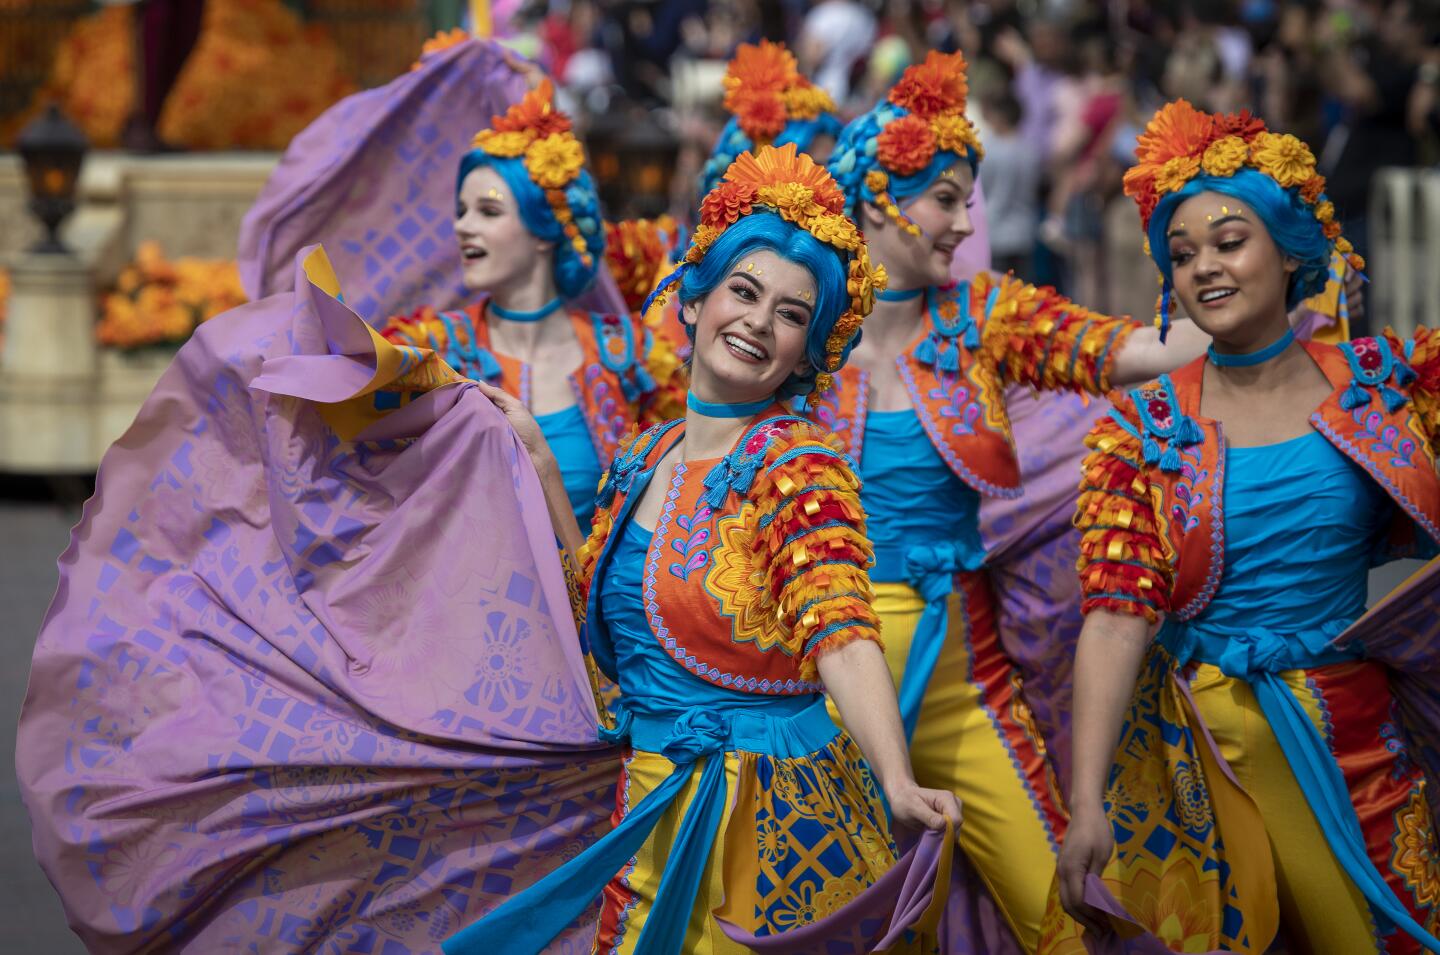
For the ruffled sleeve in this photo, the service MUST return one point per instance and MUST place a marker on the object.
(1123, 565)
(1035, 336)
(811, 541)
(1422, 354)
(421, 327)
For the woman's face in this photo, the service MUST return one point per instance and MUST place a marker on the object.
(1228, 273)
(943, 214)
(750, 329)
(497, 251)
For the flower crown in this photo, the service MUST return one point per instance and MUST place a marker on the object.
(636, 250)
(535, 129)
(930, 97)
(1181, 142)
(792, 185)
(764, 90)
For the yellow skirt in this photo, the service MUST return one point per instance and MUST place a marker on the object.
(976, 738)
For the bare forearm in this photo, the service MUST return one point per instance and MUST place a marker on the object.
(858, 680)
(557, 502)
(1144, 357)
(1107, 663)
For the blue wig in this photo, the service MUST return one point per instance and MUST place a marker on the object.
(733, 142)
(855, 156)
(762, 230)
(1289, 220)
(572, 275)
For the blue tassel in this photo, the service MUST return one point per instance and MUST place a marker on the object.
(1164, 311)
(950, 358)
(1354, 397)
(1151, 449)
(972, 336)
(925, 351)
(629, 389)
(1189, 432)
(490, 369)
(1170, 460)
(644, 379)
(1404, 374)
(1394, 400)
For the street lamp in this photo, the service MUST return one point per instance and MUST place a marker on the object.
(52, 148)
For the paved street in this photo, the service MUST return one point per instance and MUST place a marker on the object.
(31, 920)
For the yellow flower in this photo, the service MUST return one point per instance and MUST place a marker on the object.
(877, 181)
(700, 243)
(805, 101)
(1225, 156)
(505, 145)
(555, 161)
(1343, 246)
(953, 132)
(835, 230)
(1284, 158)
(1325, 211)
(864, 282)
(1176, 172)
(789, 197)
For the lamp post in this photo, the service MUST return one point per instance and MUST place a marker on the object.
(52, 148)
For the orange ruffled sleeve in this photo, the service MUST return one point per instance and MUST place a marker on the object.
(1422, 354)
(1123, 566)
(421, 327)
(1038, 337)
(811, 539)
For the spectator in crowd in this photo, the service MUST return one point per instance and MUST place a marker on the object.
(1010, 177)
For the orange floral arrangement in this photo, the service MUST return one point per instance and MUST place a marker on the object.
(158, 302)
(440, 42)
(535, 130)
(791, 184)
(932, 96)
(1182, 142)
(764, 90)
(637, 251)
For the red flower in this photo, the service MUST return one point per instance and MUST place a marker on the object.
(1159, 410)
(933, 86)
(726, 203)
(1240, 124)
(761, 115)
(535, 112)
(1369, 360)
(906, 146)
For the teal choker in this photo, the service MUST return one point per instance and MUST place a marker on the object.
(1253, 358)
(549, 308)
(718, 409)
(900, 295)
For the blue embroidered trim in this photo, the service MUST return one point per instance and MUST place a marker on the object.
(802, 571)
(1359, 457)
(1128, 598)
(1102, 376)
(1075, 349)
(817, 601)
(787, 456)
(1389, 370)
(1217, 540)
(832, 629)
(944, 450)
(627, 463)
(810, 530)
(941, 348)
(768, 519)
(1181, 432)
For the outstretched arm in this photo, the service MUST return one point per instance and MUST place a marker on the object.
(1143, 357)
(859, 682)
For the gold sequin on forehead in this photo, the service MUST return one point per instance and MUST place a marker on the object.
(750, 267)
(951, 173)
(806, 295)
(494, 194)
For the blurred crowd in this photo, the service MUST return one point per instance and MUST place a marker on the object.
(1058, 88)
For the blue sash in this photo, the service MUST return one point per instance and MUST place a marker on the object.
(1258, 656)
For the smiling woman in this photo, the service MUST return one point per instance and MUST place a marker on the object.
(527, 219)
(727, 599)
(1243, 499)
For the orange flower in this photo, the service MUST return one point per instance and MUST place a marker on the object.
(726, 203)
(906, 145)
(787, 164)
(535, 113)
(766, 68)
(934, 86)
(1176, 129)
(761, 114)
(441, 41)
(1313, 188)
(1331, 230)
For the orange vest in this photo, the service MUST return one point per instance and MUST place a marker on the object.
(611, 387)
(756, 560)
(1368, 417)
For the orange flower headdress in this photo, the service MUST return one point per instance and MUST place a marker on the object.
(533, 129)
(924, 115)
(770, 101)
(789, 183)
(638, 252)
(1181, 142)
